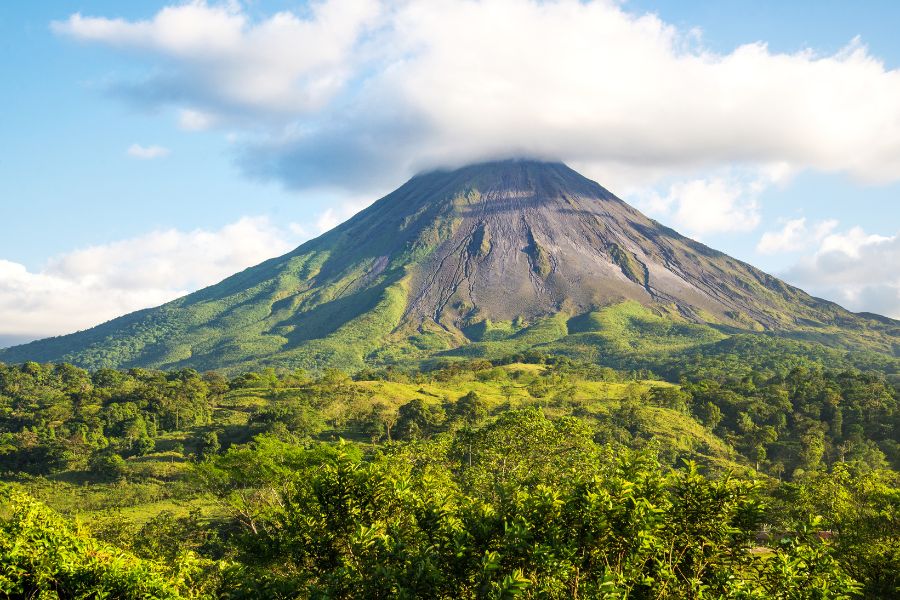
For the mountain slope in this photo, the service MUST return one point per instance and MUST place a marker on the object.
(515, 252)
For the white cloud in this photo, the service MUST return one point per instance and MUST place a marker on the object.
(298, 230)
(85, 287)
(724, 202)
(853, 243)
(284, 64)
(794, 236)
(147, 152)
(707, 206)
(856, 269)
(195, 120)
(332, 217)
(362, 92)
(327, 220)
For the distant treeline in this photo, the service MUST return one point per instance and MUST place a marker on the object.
(58, 417)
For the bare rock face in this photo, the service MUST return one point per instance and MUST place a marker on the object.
(512, 241)
(530, 239)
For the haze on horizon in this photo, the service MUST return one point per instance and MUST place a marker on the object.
(159, 148)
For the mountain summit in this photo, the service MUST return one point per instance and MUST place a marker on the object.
(453, 260)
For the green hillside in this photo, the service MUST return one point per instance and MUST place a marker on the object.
(483, 261)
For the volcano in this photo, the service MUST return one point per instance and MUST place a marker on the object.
(469, 262)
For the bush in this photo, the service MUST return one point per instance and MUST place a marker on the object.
(41, 556)
(108, 466)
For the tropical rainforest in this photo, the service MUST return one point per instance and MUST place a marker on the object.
(529, 475)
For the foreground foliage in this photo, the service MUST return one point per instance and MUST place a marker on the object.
(620, 527)
(43, 556)
(538, 479)
(524, 506)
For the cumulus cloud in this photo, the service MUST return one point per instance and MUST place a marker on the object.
(703, 206)
(85, 287)
(855, 268)
(354, 93)
(224, 62)
(794, 236)
(725, 201)
(147, 152)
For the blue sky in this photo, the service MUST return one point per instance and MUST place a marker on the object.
(64, 172)
(187, 141)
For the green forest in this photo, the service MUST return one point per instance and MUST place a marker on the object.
(529, 476)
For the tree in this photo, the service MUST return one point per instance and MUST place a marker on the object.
(812, 449)
(470, 408)
(670, 397)
(508, 389)
(208, 446)
(248, 479)
(298, 418)
(538, 388)
(521, 446)
(381, 419)
(217, 383)
(416, 419)
(143, 446)
(837, 423)
(108, 465)
(711, 415)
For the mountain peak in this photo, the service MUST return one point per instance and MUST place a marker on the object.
(496, 247)
(515, 176)
(498, 166)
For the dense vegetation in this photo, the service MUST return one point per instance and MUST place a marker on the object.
(527, 476)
